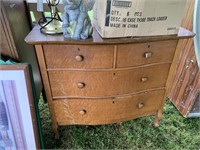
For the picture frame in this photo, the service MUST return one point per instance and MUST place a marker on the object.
(19, 116)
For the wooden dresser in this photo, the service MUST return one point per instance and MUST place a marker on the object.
(102, 81)
(185, 89)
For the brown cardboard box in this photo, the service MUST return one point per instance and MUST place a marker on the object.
(124, 18)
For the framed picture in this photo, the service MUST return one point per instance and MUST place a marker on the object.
(19, 124)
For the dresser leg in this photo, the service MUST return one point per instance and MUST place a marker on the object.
(55, 129)
(157, 119)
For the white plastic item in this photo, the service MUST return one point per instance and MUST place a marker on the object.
(196, 30)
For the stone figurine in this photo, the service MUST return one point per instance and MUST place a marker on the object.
(76, 22)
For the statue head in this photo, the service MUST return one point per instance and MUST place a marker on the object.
(71, 4)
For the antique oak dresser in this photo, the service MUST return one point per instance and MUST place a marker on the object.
(102, 81)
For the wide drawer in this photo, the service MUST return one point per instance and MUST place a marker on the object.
(104, 111)
(145, 53)
(82, 83)
(78, 56)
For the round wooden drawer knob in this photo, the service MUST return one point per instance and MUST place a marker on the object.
(148, 54)
(144, 79)
(82, 112)
(79, 58)
(81, 85)
(140, 105)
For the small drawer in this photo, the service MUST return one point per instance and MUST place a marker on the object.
(78, 56)
(70, 83)
(105, 111)
(145, 53)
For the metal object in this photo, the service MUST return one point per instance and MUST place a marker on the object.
(191, 62)
(82, 112)
(54, 25)
(148, 54)
(81, 85)
(79, 58)
(140, 105)
(144, 79)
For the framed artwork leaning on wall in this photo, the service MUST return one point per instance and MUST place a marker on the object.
(19, 117)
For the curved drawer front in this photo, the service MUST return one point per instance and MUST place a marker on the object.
(103, 111)
(107, 83)
(145, 53)
(78, 56)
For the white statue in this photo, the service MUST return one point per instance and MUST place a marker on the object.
(76, 22)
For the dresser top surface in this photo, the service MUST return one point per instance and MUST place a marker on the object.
(36, 37)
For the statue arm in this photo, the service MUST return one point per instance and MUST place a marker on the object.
(89, 4)
(65, 19)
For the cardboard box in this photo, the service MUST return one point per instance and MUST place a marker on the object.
(124, 18)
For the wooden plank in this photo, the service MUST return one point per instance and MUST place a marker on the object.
(7, 43)
(173, 66)
(185, 84)
(45, 80)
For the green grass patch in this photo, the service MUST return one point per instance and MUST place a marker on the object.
(32, 16)
(174, 133)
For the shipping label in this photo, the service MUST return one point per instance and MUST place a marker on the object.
(119, 14)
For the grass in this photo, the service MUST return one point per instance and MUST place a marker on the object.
(174, 133)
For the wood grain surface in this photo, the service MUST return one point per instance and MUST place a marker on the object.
(186, 79)
(104, 111)
(36, 37)
(107, 83)
(79, 56)
(145, 53)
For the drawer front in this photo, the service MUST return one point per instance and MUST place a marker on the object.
(107, 83)
(145, 53)
(78, 56)
(103, 111)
